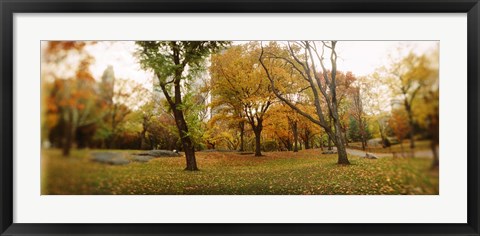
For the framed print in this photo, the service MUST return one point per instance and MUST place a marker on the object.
(243, 117)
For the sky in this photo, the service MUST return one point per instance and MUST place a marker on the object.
(120, 55)
(363, 57)
(359, 57)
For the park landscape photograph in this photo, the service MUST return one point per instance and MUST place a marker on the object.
(240, 117)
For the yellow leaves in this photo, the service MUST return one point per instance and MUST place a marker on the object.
(236, 74)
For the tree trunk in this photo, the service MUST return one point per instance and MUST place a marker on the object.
(189, 154)
(143, 139)
(340, 144)
(257, 130)
(362, 133)
(286, 143)
(401, 148)
(330, 143)
(435, 162)
(187, 143)
(295, 136)
(342, 156)
(434, 129)
(411, 134)
(321, 142)
(362, 136)
(307, 140)
(258, 151)
(67, 136)
(242, 134)
(345, 137)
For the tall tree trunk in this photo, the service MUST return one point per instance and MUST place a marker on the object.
(329, 136)
(68, 133)
(242, 134)
(362, 134)
(338, 136)
(295, 135)
(340, 144)
(187, 143)
(286, 143)
(307, 139)
(434, 129)
(345, 138)
(434, 147)
(411, 134)
(257, 130)
(258, 151)
(143, 139)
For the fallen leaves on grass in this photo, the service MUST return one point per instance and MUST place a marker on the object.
(276, 173)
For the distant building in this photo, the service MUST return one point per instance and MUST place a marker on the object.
(107, 85)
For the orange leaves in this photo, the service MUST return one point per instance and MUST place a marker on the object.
(72, 102)
(80, 106)
(62, 103)
(52, 107)
(84, 75)
(399, 123)
(56, 46)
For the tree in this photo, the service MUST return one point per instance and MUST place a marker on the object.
(427, 104)
(359, 115)
(239, 82)
(308, 131)
(376, 100)
(408, 76)
(282, 124)
(302, 59)
(222, 133)
(71, 101)
(231, 112)
(175, 63)
(400, 126)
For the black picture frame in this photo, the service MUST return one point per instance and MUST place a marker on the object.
(10, 7)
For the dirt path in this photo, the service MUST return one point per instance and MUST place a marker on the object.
(418, 153)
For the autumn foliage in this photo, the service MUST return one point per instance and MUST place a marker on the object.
(248, 98)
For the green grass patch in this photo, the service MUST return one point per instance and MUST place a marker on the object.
(419, 146)
(278, 173)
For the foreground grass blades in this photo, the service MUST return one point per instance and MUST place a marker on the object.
(275, 173)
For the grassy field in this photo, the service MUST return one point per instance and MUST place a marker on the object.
(419, 145)
(280, 173)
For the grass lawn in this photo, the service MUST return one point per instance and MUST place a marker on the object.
(281, 173)
(419, 145)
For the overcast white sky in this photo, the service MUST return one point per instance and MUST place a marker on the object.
(359, 57)
(119, 54)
